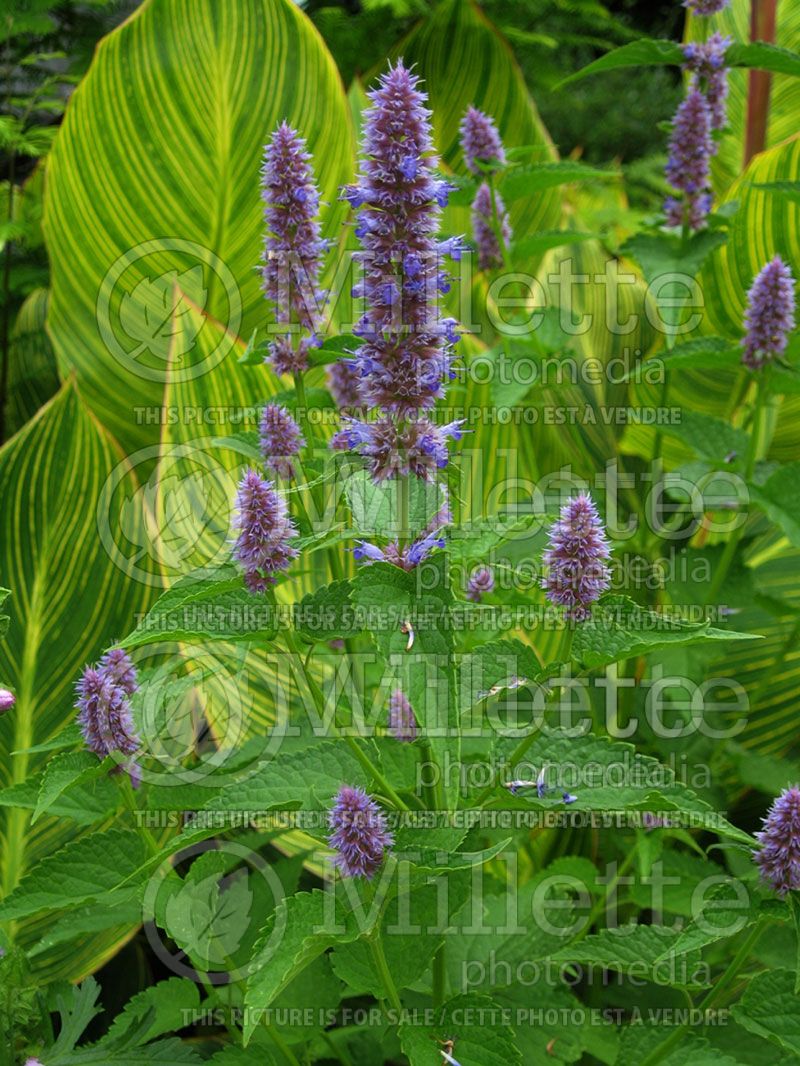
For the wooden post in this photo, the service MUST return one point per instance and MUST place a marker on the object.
(763, 22)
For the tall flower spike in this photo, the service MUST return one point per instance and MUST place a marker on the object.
(402, 722)
(293, 248)
(360, 835)
(688, 169)
(770, 315)
(706, 7)
(280, 440)
(490, 255)
(480, 141)
(104, 711)
(706, 63)
(578, 573)
(778, 857)
(406, 354)
(480, 582)
(264, 532)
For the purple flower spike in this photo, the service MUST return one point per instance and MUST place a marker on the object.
(119, 668)
(706, 7)
(770, 316)
(402, 722)
(280, 439)
(706, 63)
(688, 169)
(480, 582)
(104, 710)
(7, 700)
(490, 254)
(576, 559)
(344, 384)
(265, 529)
(480, 141)
(293, 248)
(778, 858)
(405, 355)
(360, 835)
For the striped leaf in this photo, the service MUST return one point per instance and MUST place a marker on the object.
(70, 599)
(32, 373)
(158, 159)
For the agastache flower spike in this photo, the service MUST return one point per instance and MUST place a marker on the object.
(480, 582)
(265, 530)
(778, 857)
(706, 63)
(490, 254)
(104, 711)
(688, 168)
(360, 835)
(482, 147)
(293, 248)
(405, 358)
(402, 722)
(770, 316)
(576, 559)
(706, 7)
(280, 440)
(480, 141)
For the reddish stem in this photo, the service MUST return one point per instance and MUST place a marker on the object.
(763, 22)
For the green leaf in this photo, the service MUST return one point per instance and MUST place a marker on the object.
(666, 261)
(726, 909)
(763, 56)
(620, 629)
(101, 180)
(156, 1010)
(76, 1008)
(299, 930)
(215, 608)
(709, 437)
(32, 372)
(535, 245)
(327, 614)
(61, 773)
(525, 181)
(473, 1021)
(84, 869)
(779, 499)
(492, 668)
(770, 1009)
(703, 353)
(73, 595)
(638, 950)
(646, 52)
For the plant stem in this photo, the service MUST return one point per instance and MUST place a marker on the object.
(731, 547)
(439, 976)
(379, 959)
(721, 986)
(599, 907)
(282, 1046)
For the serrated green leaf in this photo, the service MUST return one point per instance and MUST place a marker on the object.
(620, 629)
(61, 773)
(646, 52)
(641, 950)
(770, 1009)
(475, 1022)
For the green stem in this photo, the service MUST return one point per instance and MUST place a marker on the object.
(379, 959)
(732, 546)
(439, 976)
(282, 1046)
(375, 773)
(727, 979)
(434, 798)
(601, 904)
